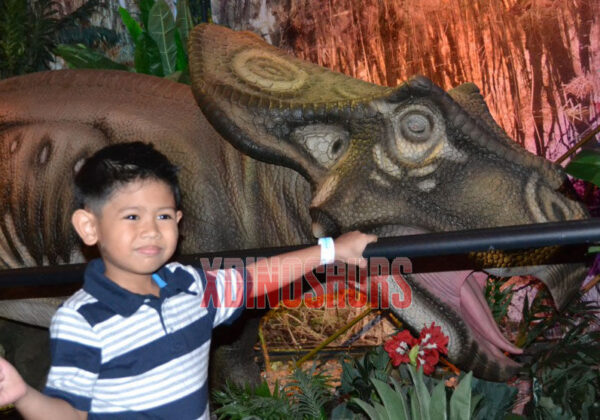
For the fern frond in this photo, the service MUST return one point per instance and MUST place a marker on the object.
(238, 402)
(312, 393)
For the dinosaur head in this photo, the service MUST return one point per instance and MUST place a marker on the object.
(392, 161)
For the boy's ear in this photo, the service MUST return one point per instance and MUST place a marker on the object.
(178, 215)
(84, 222)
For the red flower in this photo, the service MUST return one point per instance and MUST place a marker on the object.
(399, 346)
(432, 338)
(424, 351)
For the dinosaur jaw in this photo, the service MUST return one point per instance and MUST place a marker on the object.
(462, 294)
(459, 307)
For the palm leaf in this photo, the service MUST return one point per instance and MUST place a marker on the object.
(460, 402)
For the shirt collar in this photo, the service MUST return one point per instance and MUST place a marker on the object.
(122, 301)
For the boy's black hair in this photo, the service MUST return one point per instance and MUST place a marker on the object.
(114, 166)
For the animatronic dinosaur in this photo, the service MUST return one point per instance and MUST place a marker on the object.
(279, 150)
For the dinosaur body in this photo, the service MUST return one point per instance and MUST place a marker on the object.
(314, 153)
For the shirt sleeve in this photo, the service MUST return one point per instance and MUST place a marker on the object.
(226, 289)
(76, 359)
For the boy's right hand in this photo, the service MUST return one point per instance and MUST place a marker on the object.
(12, 385)
(350, 246)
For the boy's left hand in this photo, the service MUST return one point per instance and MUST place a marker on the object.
(350, 246)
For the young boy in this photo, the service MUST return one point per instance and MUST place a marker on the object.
(134, 341)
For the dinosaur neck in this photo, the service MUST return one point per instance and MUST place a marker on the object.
(56, 119)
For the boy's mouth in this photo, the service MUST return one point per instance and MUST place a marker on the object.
(149, 250)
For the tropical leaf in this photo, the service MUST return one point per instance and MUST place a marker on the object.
(161, 28)
(181, 63)
(438, 404)
(184, 22)
(586, 165)
(393, 401)
(147, 57)
(81, 57)
(460, 401)
(422, 394)
(145, 7)
(133, 27)
(497, 399)
(498, 300)
(367, 408)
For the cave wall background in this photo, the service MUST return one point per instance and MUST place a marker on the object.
(537, 62)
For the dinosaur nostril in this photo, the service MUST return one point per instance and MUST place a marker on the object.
(556, 212)
(546, 205)
(323, 224)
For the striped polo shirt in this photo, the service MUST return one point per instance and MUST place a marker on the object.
(117, 354)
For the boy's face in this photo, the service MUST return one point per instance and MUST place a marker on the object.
(136, 230)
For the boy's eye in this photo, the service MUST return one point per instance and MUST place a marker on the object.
(132, 217)
(165, 217)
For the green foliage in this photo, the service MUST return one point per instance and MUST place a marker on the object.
(403, 393)
(498, 300)
(566, 378)
(357, 374)
(565, 372)
(161, 28)
(80, 56)
(416, 401)
(200, 11)
(160, 42)
(26, 36)
(497, 399)
(306, 396)
(310, 394)
(245, 402)
(30, 30)
(542, 318)
(585, 165)
(418, 396)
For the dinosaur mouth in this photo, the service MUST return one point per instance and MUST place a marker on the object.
(463, 299)
(462, 292)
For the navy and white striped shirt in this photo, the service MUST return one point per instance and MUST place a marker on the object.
(117, 354)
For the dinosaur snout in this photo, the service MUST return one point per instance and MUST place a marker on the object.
(547, 205)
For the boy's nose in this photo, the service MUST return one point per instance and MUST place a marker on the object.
(150, 229)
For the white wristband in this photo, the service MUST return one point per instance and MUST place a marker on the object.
(327, 250)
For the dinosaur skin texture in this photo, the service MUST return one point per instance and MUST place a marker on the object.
(274, 151)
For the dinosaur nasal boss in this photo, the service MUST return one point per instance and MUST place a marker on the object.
(545, 205)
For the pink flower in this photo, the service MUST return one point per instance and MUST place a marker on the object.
(424, 351)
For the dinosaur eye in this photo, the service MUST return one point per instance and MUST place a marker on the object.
(416, 127)
(325, 143)
(418, 134)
